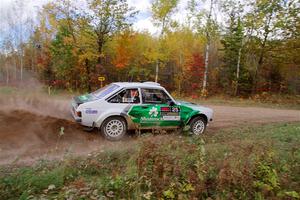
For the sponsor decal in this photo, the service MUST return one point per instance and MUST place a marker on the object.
(170, 109)
(171, 118)
(165, 109)
(153, 112)
(175, 109)
(91, 111)
(149, 119)
(170, 113)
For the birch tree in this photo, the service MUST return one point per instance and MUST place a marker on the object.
(202, 20)
(233, 42)
(207, 48)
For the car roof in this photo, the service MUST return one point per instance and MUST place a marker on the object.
(139, 84)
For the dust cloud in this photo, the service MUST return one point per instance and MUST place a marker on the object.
(35, 125)
(36, 103)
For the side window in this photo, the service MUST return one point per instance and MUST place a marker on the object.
(155, 96)
(126, 96)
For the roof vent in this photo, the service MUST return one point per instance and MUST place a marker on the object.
(151, 82)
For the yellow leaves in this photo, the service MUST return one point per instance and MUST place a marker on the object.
(152, 54)
(52, 21)
(88, 55)
(162, 8)
(182, 45)
(68, 41)
(74, 51)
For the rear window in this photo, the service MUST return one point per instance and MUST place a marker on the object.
(105, 90)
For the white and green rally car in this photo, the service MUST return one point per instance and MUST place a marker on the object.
(123, 106)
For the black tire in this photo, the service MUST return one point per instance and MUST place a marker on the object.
(198, 125)
(114, 128)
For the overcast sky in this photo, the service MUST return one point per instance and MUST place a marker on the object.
(143, 19)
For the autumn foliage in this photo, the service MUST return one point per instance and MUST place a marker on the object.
(69, 47)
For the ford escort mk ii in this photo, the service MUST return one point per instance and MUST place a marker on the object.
(123, 106)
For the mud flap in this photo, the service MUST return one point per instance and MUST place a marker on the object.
(89, 128)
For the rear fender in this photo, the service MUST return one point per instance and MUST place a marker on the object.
(110, 113)
(106, 115)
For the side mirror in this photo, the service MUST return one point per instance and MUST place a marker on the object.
(171, 103)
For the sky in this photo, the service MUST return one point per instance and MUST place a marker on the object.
(143, 21)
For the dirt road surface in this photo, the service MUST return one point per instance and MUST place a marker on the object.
(31, 129)
(228, 116)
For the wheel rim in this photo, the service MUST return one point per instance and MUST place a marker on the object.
(199, 127)
(114, 128)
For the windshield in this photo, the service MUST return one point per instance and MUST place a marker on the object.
(105, 90)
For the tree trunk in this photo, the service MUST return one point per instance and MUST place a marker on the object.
(21, 66)
(88, 75)
(180, 74)
(238, 72)
(15, 65)
(260, 62)
(208, 24)
(7, 75)
(262, 53)
(21, 54)
(157, 61)
(156, 72)
(100, 45)
(206, 68)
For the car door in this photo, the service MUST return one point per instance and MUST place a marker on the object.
(155, 110)
(121, 102)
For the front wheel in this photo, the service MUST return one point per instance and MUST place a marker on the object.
(198, 125)
(114, 128)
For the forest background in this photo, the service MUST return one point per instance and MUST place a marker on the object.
(253, 49)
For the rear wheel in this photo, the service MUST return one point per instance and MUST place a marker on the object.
(198, 125)
(114, 128)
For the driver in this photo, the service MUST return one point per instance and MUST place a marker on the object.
(135, 96)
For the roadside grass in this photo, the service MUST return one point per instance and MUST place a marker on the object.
(8, 91)
(239, 163)
(5, 90)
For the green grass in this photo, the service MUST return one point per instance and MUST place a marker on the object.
(7, 90)
(241, 163)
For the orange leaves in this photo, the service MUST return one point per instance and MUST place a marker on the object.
(122, 57)
(196, 66)
(68, 40)
(123, 50)
(194, 72)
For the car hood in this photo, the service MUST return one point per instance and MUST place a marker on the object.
(194, 106)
